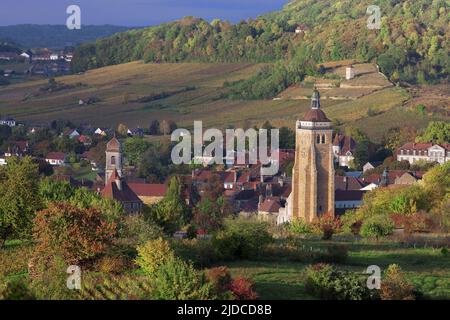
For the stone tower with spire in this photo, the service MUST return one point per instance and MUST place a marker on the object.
(113, 158)
(313, 173)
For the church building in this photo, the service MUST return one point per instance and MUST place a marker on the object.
(116, 187)
(313, 174)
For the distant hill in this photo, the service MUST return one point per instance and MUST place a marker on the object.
(410, 47)
(55, 36)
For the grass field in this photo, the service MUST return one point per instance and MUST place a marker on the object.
(427, 269)
(193, 91)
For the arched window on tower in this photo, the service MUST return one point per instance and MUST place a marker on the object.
(113, 160)
(318, 139)
(323, 139)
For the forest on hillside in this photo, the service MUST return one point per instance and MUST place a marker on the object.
(412, 45)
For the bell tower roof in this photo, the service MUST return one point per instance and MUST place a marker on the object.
(113, 145)
(315, 114)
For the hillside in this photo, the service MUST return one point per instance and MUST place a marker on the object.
(137, 93)
(55, 36)
(332, 31)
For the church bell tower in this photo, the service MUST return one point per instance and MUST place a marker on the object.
(313, 172)
(113, 158)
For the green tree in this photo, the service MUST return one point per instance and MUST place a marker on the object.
(134, 148)
(19, 198)
(172, 212)
(436, 132)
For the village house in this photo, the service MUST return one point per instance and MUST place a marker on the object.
(56, 158)
(343, 150)
(414, 152)
(118, 189)
(149, 193)
(8, 56)
(347, 200)
(10, 122)
(371, 165)
(17, 149)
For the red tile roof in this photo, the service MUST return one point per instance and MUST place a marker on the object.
(315, 115)
(271, 205)
(56, 156)
(149, 190)
(113, 145)
(348, 183)
(345, 143)
(112, 191)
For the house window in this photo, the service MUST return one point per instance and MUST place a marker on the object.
(113, 160)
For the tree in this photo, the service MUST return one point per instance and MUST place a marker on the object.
(437, 132)
(172, 212)
(72, 233)
(287, 138)
(153, 254)
(377, 226)
(328, 225)
(19, 198)
(134, 149)
(209, 215)
(164, 127)
(122, 130)
(154, 128)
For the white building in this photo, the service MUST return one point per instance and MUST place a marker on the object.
(343, 149)
(414, 152)
(349, 73)
(8, 122)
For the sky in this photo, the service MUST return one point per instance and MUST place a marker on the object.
(131, 12)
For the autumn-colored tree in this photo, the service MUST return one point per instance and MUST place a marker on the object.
(74, 234)
(122, 130)
(328, 225)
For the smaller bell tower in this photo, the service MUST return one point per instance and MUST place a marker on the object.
(113, 158)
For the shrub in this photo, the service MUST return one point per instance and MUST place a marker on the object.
(395, 286)
(299, 226)
(377, 226)
(137, 231)
(72, 233)
(243, 289)
(351, 223)
(327, 225)
(418, 222)
(16, 290)
(242, 239)
(153, 255)
(326, 282)
(334, 254)
(112, 264)
(200, 252)
(178, 280)
(220, 277)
